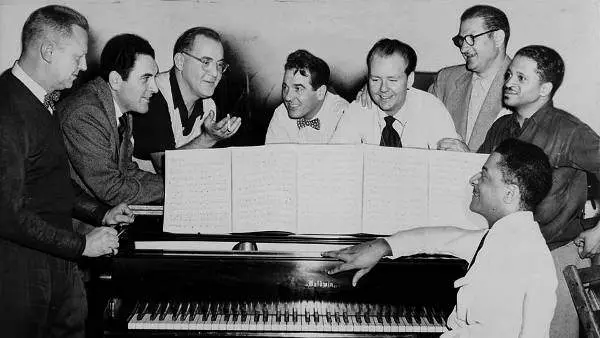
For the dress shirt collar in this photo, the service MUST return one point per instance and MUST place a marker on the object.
(33, 86)
(187, 120)
(509, 224)
(118, 111)
(403, 114)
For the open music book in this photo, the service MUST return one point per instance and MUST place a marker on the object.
(318, 189)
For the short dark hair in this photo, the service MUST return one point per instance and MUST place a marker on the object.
(120, 52)
(307, 64)
(54, 18)
(550, 66)
(493, 18)
(388, 47)
(185, 41)
(527, 166)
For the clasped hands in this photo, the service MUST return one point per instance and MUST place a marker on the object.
(104, 240)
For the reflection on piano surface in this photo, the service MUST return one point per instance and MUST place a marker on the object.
(277, 285)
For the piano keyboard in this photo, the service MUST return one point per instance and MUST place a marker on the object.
(299, 316)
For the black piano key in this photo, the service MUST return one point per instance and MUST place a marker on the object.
(256, 317)
(358, 319)
(177, 308)
(306, 316)
(156, 311)
(185, 312)
(244, 318)
(367, 318)
(235, 317)
(316, 314)
(194, 311)
(167, 309)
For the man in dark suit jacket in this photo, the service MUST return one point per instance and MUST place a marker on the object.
(472, 92)
(96, 124)
(41, 290)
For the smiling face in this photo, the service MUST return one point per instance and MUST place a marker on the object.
(523, 87)
(489, 190)
(299, 97)
(134, 93)
(201, 82)
(68, 58)
(479, 57)
(388, 82)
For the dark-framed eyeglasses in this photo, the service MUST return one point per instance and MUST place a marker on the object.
(469, 39)
(205, 62)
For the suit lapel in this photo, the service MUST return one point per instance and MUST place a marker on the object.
(108, 106)
(489, 109)
(462, 96)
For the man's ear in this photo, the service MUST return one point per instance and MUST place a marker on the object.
(499, 37)
(178, 61)
(512, 194)
(114, 80)
(411, 80)
(546, 89)
(321, 91)
(47, 49)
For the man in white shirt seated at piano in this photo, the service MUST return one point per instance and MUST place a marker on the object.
(401, 116)
(310, 112)
(509, 289)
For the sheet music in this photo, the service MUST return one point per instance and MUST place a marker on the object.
(450, 191)
(395, 189)
(264, 188)
(329, 189)
(197, 191)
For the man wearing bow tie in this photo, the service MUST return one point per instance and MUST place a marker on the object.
(309, 112)
(402, 116)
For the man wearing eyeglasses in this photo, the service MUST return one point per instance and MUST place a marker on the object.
(183, 115)
(95, 122)
(472, 92)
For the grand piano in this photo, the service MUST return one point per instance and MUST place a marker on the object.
(261, 284)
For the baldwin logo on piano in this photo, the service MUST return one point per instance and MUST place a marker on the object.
(314, 284)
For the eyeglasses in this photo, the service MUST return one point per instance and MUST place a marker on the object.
(469, 39)
(205, 62)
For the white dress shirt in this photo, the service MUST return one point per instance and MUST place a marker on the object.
(510, 290)
(421, 122)
(283, 129)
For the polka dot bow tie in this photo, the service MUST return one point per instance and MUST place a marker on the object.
(50, 99)
(314, 123)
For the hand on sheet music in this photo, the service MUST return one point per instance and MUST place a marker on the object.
(452, 144)
(121, 214)
(588, 242)
(364, 98)
(362, 256)
(223, 129)
(101, 241)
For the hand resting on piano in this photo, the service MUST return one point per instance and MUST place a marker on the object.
(362, 256)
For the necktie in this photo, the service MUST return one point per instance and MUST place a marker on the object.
(389, 135)
(314, 123)
(477, 251)
(122, 128)
(50, 99)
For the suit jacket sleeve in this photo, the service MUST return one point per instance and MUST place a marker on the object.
(87, 132)
(87, 208)
(17, 223)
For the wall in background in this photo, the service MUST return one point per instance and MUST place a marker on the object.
(260, 34)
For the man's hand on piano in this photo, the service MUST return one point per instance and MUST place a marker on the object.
(101, 241)
(362, 256)
(121, 214)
